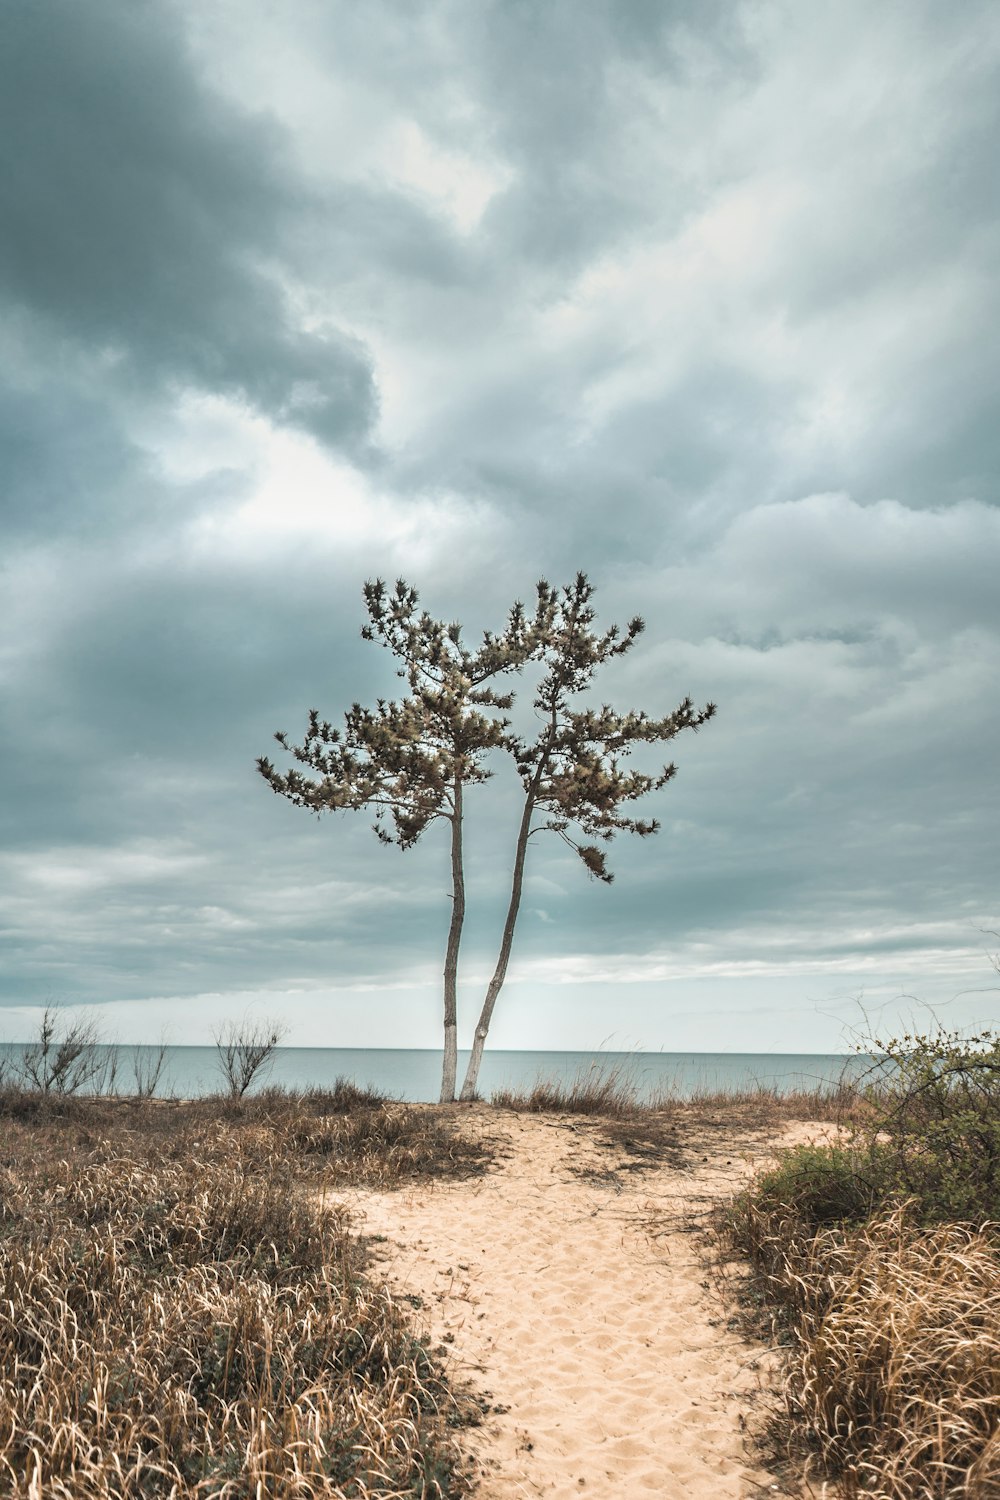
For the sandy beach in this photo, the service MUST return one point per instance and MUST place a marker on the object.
(571, 1288)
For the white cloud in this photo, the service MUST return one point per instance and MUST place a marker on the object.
(77, 871)
(288, 492)
(450, 180)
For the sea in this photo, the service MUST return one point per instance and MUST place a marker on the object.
(415, 1074)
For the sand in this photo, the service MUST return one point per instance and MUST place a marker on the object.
(582, 1301)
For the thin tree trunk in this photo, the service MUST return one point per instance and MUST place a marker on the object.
(450, 1066)
(500, 972)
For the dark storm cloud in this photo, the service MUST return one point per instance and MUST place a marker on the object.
(138, 838)
(696, 297)
(141, 218)
(872, 292)
(553, 80)
(59, 450)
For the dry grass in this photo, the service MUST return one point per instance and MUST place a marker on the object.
(179, 1318)
(892, 1378)
(611, 1092)
(340, 1136)
(763, 1106)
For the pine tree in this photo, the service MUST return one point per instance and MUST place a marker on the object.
(575, 783)
(411, 760)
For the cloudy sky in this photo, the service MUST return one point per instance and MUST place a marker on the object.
(698, 297)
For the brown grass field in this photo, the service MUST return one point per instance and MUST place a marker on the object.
(180, 1316)
(185, 1313)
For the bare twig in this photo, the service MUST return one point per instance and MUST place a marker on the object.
(62, 1063)
(246, 1050)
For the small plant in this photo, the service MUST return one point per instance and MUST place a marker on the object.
(147, 1069)
(62, 1063)
(344, 1097)
(245, 1052)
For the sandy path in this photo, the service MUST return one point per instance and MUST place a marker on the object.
(581, 1305)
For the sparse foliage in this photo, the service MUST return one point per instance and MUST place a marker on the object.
(147, 1069)
(245, 1052)
(411, 760)
(576, 783)
(62, 1061)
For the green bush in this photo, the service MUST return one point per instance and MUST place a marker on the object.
(936, 1131)
(819, 1186)
(930, 1138)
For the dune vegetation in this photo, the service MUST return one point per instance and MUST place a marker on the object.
(184, 1313)
(181, 1314)
(876, 1262)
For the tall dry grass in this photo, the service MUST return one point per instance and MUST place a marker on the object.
(892, 1376)
(610, 1091)
(614, 1093)
(180, 1318)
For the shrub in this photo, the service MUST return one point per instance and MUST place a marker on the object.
(811, 1188)
(64, 1059)
(879, 1260)
(245, 1051)
(936, 1131)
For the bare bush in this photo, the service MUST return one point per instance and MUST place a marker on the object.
(147, 1069)
(64, 1061)
(246, 1051)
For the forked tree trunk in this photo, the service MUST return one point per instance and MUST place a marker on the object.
(500, 972)
(450, 1066)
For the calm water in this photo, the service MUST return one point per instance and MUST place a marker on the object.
(412, 1074)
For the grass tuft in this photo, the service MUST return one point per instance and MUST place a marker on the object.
(892, 1377)
(610, 1092)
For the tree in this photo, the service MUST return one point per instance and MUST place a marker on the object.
(572, 772)
(411, 760)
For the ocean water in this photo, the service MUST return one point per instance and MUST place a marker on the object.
(412, 1074)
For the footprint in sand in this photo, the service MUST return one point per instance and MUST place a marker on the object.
(598, 1341)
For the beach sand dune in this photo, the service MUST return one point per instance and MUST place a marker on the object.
(578, 1299)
